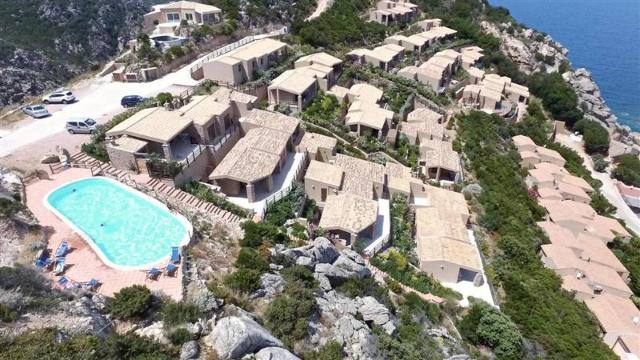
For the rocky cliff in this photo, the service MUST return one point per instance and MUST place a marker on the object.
(45, 43)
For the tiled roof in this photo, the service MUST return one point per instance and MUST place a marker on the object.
(349, 213)
(325, 173)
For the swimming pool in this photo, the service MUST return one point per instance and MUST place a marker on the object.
(126, 228)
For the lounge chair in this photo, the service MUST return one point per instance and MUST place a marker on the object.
(171, 269)
(175, 254)
(59, 267)
(62, 249)
(153, 274)
(90, 285)
(67, 283)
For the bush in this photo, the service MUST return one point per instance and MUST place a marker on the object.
(131, 302)
(249, 258)
(164, 97)
(244, 280)
(180, 336)
(355, 286)
(601, 205)
(629, 255)
(174, 313)
(595, 136)
(9, 208)
(557, 96)
(255, 234)
(599, 163)
(628, 170)
(7, 314)
(284, 209)
(96, 150)
(332, 350)
(486, 325)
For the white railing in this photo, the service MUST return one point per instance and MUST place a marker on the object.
(221, 51)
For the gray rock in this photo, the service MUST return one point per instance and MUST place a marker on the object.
(154, 331)
(324, 251)
(205, 300)
(190, 350)
(333, 273)
(353, 255)
(323, 281)
(389, 328)
(194, 329)
(372, 310)
(271, 284)
(296, 252)
(99, 301)
(459, 357)
(275, 353)
(275, 267)
(306, 262)
(344, 262)
(233, 337)
(472, 189)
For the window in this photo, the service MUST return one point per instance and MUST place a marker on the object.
(209, 18)
(189, 16)
(173, 17)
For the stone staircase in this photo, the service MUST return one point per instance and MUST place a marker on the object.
(187, 199)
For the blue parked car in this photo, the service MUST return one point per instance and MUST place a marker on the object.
(131, 100)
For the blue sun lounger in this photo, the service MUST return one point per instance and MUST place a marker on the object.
(67, 283)
(153, 274)
(171, 269)
(62, 249)
(58, 269)
(91, 284)
(43, 261)
(175, 254)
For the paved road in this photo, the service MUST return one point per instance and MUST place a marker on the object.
(99, 98)
(609, 189)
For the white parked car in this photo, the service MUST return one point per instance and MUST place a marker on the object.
(36, 111)
(59, 96)
(81, 126)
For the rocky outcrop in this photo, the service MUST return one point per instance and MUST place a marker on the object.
(275, 353)
(233, 337)
(270, 286)
(190, 350)
(589, 97)
(84, 34)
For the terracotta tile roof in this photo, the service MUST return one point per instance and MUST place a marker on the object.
(325, 173)
(271, 120)
(615, 315)
(349, 213)
(366, 92)
(438, 153)
(359, 175)
(442, 236)
(312, 142)
(318, 58)
(368, 114)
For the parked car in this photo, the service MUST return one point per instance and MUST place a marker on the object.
(59, 96)
(36, 111)
(132, 100)
(81, 126)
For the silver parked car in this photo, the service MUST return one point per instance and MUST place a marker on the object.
(36, 111)
(81, 126)
(60, 96)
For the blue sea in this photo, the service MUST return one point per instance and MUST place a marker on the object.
(602, 36)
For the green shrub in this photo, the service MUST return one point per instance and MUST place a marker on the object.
(249, 258)
(486, 325)
(601, 205)
(131, 302)
(332, 350)
(243, 280)
(96, 150)
(595, 136)
(255, 234)
(284, 209)
(7, 314)
(355, 286)
(629, 255)
(627, 170)
(164, 97)
(9, 208)
(27, 280)
(174, 313)
(287, 317)
(180, 336)
(557, 96)
(599, 163)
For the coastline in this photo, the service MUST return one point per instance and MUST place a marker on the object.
(533, 50)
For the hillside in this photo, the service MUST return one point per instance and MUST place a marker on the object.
(45, 43)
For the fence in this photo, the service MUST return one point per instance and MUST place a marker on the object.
(280, 194)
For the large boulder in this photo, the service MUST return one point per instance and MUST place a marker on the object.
(349, 265)
(233, 337)
(190, 350)
(270, 285)
(334, 273)
(275, 353)
(324, 251)
(373, 311)
(154, 331)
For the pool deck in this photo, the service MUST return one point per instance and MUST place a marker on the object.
(82, 262)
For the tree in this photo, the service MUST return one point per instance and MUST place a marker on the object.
(601, 205)
(131, 302)
(244, 280)
(249, 258)
(332, 350)
(557, 96)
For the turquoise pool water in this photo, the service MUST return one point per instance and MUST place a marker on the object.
(126, 228)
